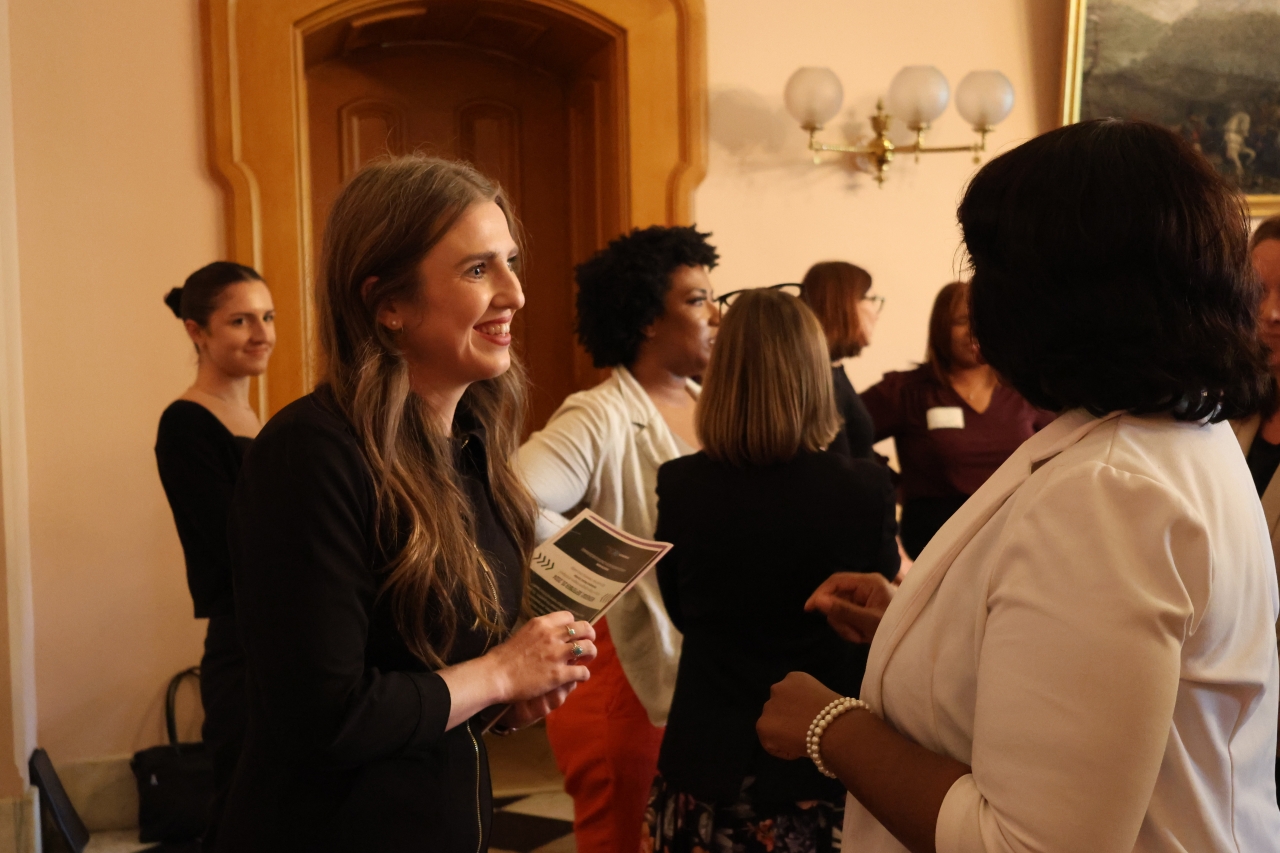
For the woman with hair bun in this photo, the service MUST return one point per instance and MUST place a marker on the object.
(227, 311)
(380, 538)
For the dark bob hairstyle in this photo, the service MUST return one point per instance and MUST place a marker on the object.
(1110, 271)
(621, 288)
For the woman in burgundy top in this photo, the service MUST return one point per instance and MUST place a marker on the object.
(951, 419)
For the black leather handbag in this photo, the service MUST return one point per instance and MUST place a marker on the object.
(175, 782)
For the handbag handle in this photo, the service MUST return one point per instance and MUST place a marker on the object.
(171, 701)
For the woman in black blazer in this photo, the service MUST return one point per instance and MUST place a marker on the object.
(380, 539)
(758, 520)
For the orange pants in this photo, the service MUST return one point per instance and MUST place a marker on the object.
(608, 752)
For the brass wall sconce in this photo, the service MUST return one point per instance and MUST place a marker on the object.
(917, 95)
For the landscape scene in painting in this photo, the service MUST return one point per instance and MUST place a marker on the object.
(1208, 69)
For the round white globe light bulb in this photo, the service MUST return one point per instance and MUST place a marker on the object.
(813, 96)
(984, 98)
(918, 95)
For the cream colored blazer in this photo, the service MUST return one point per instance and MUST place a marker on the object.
(602, 449)
(1092, 633)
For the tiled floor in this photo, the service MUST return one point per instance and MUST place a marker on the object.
(542, 823)
(532, 814)
(119, 841)
(126, 841)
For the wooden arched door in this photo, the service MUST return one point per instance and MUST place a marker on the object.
(516, 91)
(591, 112)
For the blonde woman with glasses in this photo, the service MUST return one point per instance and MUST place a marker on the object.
(759, 519)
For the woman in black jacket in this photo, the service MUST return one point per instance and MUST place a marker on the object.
(227, 312)
(380, 538)
(840, 295)
(758, 520)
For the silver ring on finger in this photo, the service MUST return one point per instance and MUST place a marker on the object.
(578, 651)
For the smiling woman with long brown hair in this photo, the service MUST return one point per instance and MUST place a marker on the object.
(380, 537)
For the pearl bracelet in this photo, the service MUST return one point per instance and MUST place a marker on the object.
(813, 739)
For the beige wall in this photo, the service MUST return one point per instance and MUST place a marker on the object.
(115, 205)
(774, 213)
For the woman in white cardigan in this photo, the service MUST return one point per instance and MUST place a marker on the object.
(645, 309)
(1083, 658)
(1259, 434)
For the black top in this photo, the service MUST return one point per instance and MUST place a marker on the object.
(859, 432)
(1263, 459)
(751, 545)
(346, 748)
(199, 460)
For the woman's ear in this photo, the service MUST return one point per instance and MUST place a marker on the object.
(194, 331)
(390, 316)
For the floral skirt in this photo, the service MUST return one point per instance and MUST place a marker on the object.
(679, 823)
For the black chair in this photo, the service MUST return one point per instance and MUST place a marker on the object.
(61, 820)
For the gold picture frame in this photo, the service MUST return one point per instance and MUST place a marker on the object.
(1074, 69)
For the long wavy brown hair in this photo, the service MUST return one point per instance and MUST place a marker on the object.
(383, 223)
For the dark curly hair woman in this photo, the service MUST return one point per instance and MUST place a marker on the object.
(645, 309)
(1084, 657)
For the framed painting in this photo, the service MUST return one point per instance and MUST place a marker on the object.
(1206, 69)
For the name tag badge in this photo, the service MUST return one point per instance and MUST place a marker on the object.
(945, 417)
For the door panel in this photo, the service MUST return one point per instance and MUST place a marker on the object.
(510, 120)
(369, 129)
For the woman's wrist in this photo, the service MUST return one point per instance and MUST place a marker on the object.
(825, 718)
(474, 685)
(494, 669)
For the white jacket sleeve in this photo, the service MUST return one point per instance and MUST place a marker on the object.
(560, 463)
(1097, 582)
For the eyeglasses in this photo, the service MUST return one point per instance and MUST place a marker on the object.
(727, 299)
(877, 303)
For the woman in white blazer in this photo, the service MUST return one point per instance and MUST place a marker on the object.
(1259, 434)
(646, 310)
(1083, 658)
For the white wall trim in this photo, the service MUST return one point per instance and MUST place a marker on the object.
(13, 434)
(20, 823)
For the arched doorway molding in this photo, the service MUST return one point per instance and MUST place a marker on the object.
(258, 134)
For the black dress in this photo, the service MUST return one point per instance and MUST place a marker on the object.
(751, 544)
(859, 432)
(346, 748)
(199, 460)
